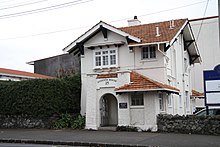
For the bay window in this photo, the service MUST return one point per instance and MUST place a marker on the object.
(105, 58)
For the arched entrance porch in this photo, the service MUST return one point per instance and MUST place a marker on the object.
(108, 110)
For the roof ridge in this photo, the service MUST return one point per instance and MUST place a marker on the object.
(151, 23)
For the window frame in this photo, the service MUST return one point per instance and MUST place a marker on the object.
(161, 102)
(146, 51)
(135, 98)
(108, 58)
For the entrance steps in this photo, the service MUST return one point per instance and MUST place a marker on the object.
(107, 128)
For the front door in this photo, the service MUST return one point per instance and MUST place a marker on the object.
(104, 111)
(109, 110)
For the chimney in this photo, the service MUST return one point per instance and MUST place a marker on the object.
(172, 25)
(157, 31)
(134, 22)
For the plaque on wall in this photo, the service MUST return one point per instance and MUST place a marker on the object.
(123, 105)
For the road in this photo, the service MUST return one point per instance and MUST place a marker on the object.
(27, 145)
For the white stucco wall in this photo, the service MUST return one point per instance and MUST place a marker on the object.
(208, 44)
(143, 117)
(179, 77)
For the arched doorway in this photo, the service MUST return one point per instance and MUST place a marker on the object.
(108, 110)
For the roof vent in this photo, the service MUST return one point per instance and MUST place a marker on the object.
(172, 24)
(134, 22)
(157, 31)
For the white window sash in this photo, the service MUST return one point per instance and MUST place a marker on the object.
(149, 48)
(108, 56)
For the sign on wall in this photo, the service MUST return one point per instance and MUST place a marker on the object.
(123, 105)
(106, 82)
(212, 86)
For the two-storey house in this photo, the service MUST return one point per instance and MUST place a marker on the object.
(132, 74)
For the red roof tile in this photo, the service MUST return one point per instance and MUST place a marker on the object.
(23, 73)
(110, 75)
(147, 32)
(143, 83)
(197, 94)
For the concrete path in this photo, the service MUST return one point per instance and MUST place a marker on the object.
(106, 138)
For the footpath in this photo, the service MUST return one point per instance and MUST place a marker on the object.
(106, 138)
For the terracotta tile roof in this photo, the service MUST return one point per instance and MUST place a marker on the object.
(197, 94)
(147, 32)
(110, 75)
(23, 73)
(143, 83)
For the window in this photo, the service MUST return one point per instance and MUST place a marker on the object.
(105, 58)
(97, 58)
(185, 65)
(170, 99)
(149, 52)
(187, 100)
(137, 99)
(180, 101)
(161, 102)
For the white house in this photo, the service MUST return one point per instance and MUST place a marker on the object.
(206, 31)
(131, 74)
(17, 75)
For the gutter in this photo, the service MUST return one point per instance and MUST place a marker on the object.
(148, 90)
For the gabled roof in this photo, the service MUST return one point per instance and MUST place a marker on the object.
(138, 35)
(143, 83)
(96, 28)
(24, 74)
(197, 94)
(147, 32)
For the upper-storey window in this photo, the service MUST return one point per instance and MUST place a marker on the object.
(105, 58)
(149, 52)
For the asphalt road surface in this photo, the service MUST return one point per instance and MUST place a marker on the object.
(27, 145)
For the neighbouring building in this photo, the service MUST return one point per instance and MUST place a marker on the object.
(206, 32)
(57, 66)
(17, 75)
(132, 74)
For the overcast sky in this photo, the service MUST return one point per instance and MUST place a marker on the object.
(36, 29)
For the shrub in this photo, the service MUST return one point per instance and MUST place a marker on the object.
(69, 121)
(41, 97)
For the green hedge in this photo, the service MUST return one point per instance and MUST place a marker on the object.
(40, 97)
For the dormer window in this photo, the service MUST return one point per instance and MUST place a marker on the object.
(149, 52)
(105, 58)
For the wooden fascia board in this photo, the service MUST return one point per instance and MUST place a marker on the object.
(177, 34)
(90, 33)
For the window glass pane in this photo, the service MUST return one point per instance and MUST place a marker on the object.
(97, 53)
(105, 52)
(145, 53)
(105, 60)
(112, 51)
(152, 52)
(98, 61)
(113, 59)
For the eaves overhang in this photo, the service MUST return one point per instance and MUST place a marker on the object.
(191, 45)
(101, 26)
(147, 90)
(190, 42)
